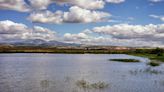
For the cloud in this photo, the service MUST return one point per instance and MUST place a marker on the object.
(10, 30)
(35, 5)
(157, 17)
(77, 14)
(18, 5)
(82, 38)
(40, 4)
(156, 1)
(121, 34)
(74, 15)
(126, 31)
(46, 17)
(43, 33)
(86, 4)
(147, 33)
(115, 1)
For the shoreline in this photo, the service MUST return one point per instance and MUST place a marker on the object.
(151, 53)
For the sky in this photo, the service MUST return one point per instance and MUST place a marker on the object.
(92, 22)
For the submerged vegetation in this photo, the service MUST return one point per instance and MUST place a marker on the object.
(147, 70)
(87, 85)
(125, 60)
(154, 63)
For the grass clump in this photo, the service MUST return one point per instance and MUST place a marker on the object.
(152, 71)
(151, 56)
(148, 70)
(125, 60)
(44, 83)
(87, 85)
(154, 63)
(99, 85)
(82, 84)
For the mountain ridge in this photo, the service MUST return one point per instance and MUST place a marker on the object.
(37, 42)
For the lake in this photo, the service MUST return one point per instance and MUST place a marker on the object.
(78, 73)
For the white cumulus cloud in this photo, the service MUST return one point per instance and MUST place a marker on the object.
(77, 14)
(18, 5)
(87, 4)
(126, 31)
(121, 34)
(74, 15)
(46, 17)
(22, 6)
(10, 30)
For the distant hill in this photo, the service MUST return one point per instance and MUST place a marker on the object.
(37, 42)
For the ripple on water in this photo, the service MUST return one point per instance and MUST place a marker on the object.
(62, 73)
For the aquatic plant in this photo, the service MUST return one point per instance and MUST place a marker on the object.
(125, 60)
(99, 85)
(153, 63)
(162, 83)
(87, 85)
(83, 84)
(152, 71)
(44, 83)
(148, 70)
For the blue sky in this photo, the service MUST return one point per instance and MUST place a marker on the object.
(131, 12)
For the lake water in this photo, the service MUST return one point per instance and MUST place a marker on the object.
(62, 72)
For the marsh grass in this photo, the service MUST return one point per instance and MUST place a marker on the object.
(83, 84)
(151, 56)
(152, 71)
(154, 63)
(44, 83)
(125, 60)
(87, 85)
(162, 83)
(148, 70)
(99, 85)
